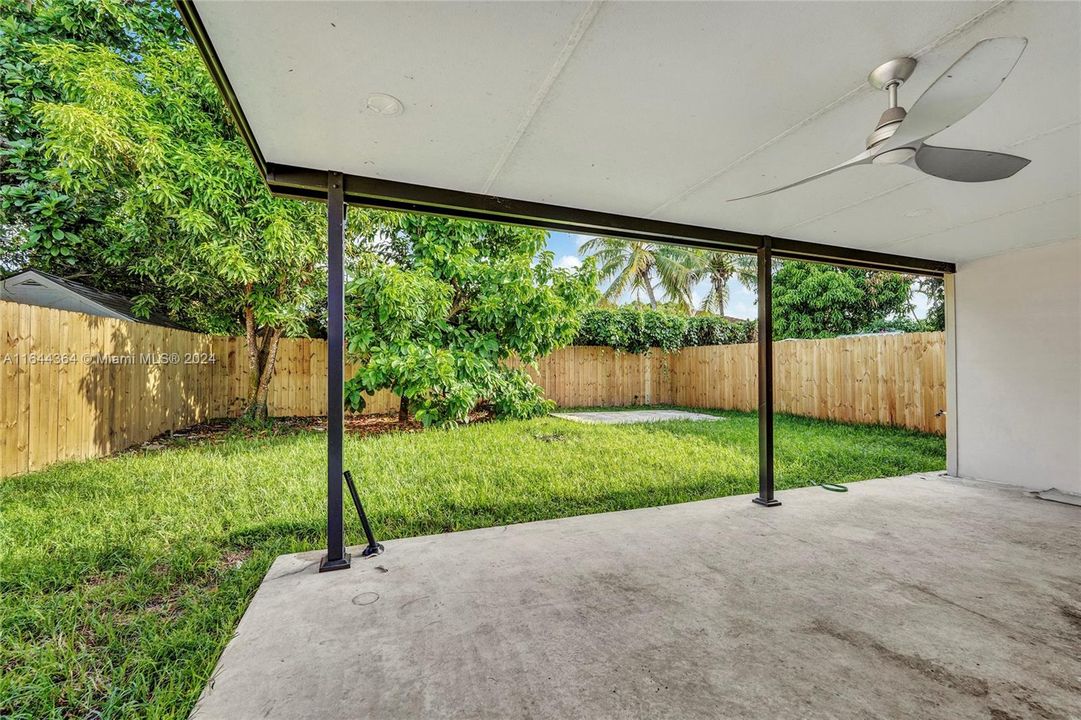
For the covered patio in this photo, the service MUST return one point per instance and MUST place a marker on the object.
(927, 596)
(907, 597)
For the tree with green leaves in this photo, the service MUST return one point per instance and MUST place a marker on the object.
(719, 268)
(811, 300)
(436, 307)
(62, 230)
(179, 206)
(643, 267)
(934, 289)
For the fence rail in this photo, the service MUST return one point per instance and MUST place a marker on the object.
(76, 386)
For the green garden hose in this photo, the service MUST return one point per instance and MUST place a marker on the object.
(833, 487)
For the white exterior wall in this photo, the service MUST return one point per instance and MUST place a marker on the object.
(1017, 338)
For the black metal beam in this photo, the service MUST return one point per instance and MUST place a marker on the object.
(336, 558)
(765, 375)
(388, 194)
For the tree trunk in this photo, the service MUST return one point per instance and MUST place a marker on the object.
(251, 340)
(269, 358)
(262, 357)
(403, 411)
(651, 295)
(718, 290)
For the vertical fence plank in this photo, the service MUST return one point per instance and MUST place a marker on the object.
(15, 392)
(44, 328)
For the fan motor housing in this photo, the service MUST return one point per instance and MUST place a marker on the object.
(887, 125)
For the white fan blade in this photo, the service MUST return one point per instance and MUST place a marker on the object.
(864, 158)
(958, 91)
(966, 165)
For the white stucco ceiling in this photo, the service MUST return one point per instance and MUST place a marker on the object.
(666, 110)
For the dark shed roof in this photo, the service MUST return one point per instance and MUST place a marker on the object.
(112, 301)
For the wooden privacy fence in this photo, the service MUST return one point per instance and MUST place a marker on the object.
(880, 379)
(77, 386)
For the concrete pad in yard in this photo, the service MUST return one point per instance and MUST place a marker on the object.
(913, 597)
(619, 417)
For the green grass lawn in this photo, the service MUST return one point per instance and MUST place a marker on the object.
(122, 579)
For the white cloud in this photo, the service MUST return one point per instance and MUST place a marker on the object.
(742, 309)
(568, 262)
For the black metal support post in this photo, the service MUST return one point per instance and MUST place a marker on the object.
(336, 558)
(765, 376)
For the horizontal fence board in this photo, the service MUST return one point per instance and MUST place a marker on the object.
(162, 381)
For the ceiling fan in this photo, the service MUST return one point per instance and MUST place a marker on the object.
(899, 138)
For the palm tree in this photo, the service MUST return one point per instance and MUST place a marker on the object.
(643, 267)
(720, 267)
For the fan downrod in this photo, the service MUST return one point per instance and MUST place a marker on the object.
(889, 76)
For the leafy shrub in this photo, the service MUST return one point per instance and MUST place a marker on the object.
(634, 330)
(515, 395)
(714, 330)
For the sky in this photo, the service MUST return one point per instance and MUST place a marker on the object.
(741, 301)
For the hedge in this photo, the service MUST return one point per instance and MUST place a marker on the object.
(633, 330)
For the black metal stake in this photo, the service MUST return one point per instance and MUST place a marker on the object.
(336, 558)
(765, 375)
(373, 547)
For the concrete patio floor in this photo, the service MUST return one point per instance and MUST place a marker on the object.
(913, 597)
